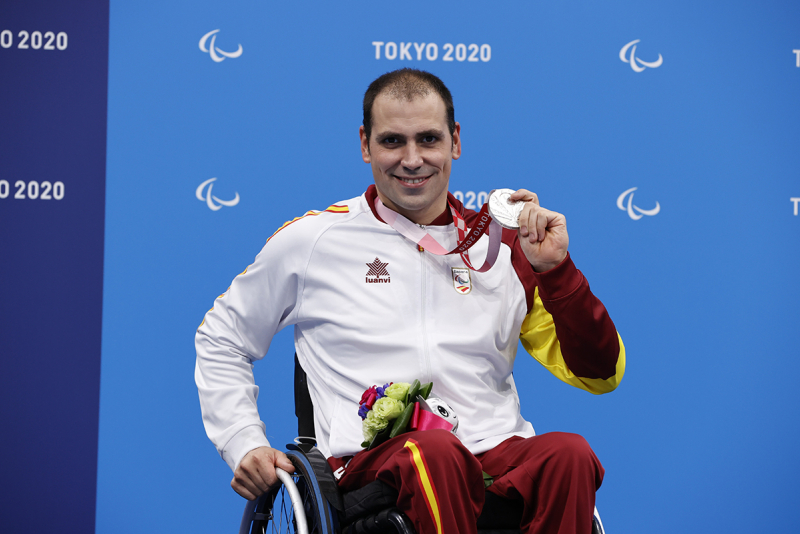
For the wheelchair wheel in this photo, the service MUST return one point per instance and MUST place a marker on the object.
(597, 523)
(274, 513)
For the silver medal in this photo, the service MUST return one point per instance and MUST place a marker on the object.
(504, 212)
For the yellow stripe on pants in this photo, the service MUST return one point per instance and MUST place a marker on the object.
(425, 482)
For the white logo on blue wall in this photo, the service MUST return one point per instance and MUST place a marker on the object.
(214, 203)
(634, 212)
(637, 64)
(216, 54)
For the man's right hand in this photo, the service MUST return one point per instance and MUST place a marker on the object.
(256, 472)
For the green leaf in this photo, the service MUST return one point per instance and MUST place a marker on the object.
(401, 423)
(413, 390)
(380, 437)
(426, 390)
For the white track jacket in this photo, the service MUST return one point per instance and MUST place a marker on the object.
(369, 307)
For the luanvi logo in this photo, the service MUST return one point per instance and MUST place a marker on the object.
(637, 64)
(216, 54)
(213, 203)
(377, 273)
(634, 212)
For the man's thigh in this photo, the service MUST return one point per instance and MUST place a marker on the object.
(438, 481)
(519, 466)
(434, 446)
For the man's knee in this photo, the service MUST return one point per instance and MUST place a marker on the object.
(571, 447)
(573, 453)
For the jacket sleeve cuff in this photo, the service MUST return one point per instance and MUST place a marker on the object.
(247, 439)
(560, 281)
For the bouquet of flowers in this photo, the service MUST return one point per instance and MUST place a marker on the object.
(389, 410)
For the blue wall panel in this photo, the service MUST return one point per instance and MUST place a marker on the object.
(53, 65)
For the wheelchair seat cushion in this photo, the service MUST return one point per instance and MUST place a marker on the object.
(497, 513)
(373, 497)
(500, 513)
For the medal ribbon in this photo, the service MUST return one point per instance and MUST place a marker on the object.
(466, 237)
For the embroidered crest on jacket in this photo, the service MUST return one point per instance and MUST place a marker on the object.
(462, 281)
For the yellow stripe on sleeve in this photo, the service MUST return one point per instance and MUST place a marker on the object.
(335, 208)
(538, 336)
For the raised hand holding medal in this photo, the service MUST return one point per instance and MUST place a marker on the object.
(542, 233)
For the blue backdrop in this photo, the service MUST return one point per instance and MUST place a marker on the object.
(693, 104)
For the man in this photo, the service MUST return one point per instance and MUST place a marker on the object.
(406, 319)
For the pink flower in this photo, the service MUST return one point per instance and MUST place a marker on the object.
(371, 392)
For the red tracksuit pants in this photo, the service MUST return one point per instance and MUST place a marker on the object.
(441, 489)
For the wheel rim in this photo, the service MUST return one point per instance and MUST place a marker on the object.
(275, 515)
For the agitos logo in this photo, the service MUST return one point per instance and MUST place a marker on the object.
(634, 212)
(637, 64)
(214, 204)
(377, 272)
(212, 50)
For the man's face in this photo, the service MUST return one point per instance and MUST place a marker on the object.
(411, 152)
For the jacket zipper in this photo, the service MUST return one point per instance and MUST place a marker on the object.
(423, 300)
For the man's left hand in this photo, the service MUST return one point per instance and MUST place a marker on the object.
(542, 233)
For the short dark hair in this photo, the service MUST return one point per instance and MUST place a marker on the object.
(408, 84)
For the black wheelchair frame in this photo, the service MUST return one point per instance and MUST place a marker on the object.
(309, 500)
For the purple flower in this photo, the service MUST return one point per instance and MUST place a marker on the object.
(363, 411)
(382, 390)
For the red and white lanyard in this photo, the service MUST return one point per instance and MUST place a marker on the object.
(467, 237)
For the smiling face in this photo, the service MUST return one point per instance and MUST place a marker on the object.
(411, 153)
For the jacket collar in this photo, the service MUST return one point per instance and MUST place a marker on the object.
(442, 220)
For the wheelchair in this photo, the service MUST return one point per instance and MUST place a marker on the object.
(309, 500)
